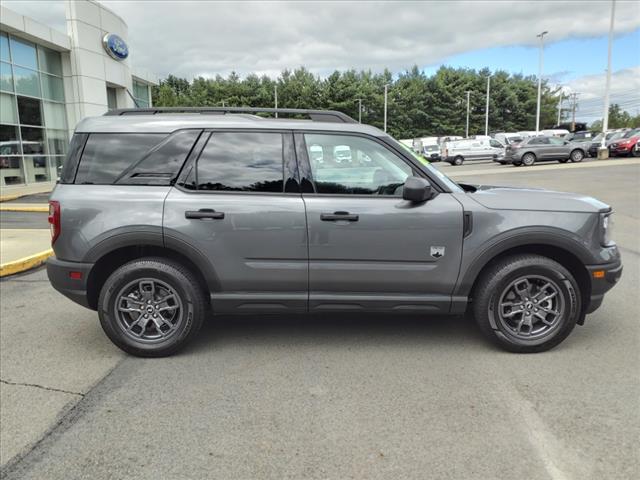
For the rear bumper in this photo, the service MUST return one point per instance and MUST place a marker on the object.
(601, 283)
(60, 276)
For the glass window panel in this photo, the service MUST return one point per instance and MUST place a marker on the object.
(23, 53)
(57, 140)
(29, 111)
(112, 98)
(8, 112)
(52, 87)
(142, 103)
(26, 81)
(242, 162)
(11, 170)
(107, 155)
(54, 115)
(4, 48)
(343, 164)
(9, 141)
(50, 61)
(32, 140)
(36, 168)
(6, 77)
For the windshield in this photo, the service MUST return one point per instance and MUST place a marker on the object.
(597, 138)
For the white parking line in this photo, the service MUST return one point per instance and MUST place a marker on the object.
(541, 168)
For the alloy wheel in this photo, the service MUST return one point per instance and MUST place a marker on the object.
(531, 307)
(148, 310)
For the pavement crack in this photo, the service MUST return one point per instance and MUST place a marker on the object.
(51, 389)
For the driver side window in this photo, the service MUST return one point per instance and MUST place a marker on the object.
(343, 164)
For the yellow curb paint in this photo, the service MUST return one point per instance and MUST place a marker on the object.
(24, 264)
(23, 208)
(6, 198)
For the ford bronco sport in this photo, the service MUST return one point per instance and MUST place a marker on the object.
(162, 217)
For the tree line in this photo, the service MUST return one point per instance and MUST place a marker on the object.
(418, 104)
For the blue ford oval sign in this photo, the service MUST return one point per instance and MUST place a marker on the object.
(115, 46)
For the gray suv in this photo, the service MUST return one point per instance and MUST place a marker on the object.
(163, 217)
(543, 149)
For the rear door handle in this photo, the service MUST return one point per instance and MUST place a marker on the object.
(203, 213)
(336, 216)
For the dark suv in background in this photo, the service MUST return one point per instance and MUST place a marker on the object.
(163, 217)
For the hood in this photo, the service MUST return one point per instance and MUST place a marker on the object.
(513, 198)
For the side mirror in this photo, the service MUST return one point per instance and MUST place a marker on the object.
(416, 190)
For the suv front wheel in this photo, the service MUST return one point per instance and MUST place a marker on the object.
(527, 303)
(151, 307)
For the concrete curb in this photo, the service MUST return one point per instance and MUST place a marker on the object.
(24, 208)
(25, 263)
(6, 198)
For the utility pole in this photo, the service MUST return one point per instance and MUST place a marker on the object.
(574, 96)
(486, 120)
(560, 109)
(359, 100)
(541, 37)
(466, 135)
(386, 88)
(603, 151)
(275, 94)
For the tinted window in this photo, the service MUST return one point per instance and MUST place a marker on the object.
(556, 141)
(107, 155)
(71, 162)
(343, 164)
(162, 164)
(242, 162)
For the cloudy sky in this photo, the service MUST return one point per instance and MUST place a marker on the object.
(190, 38)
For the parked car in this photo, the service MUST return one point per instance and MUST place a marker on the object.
(189, 215)
(543, 149)
(457, 152)
(596, 141)
(583, 135)
(627, 145)
(432, 152)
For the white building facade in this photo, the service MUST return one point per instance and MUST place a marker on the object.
(50, 80)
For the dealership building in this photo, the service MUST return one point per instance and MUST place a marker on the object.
(50, 80)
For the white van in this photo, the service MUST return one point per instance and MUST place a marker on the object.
(457, 152)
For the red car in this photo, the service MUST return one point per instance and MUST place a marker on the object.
(626, 146)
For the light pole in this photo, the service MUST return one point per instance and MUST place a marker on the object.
(560, 109)
(359, 100)
(466, 135)
(541, 37)
(486, 120)
(275, 94)
(386, 87)
(604, 153)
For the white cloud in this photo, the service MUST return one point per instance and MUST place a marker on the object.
(190, 38)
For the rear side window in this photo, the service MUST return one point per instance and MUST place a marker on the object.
(107, 155)
(70, 164)
(241, 162)
(134, 158)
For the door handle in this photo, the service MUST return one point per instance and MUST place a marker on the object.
(203, 213)
(337, 216)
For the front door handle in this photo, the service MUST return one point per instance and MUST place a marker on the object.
(337, 216)
(203, 213)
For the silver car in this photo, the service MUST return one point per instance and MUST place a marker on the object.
(187, 216)
(544, 149)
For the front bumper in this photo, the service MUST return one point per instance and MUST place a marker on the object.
(61, 278)
(603, 278)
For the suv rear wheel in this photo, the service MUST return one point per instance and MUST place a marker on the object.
(577, 156)
(527, 303)
(151, 307)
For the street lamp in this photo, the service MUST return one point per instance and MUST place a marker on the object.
(275, 94)
(467, 129)
(359, 100)
(603, 151)
(386, 87)
(541, 37)
(486, 119)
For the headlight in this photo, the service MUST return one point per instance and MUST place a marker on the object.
(607, 226)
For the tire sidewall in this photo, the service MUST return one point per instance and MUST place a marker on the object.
(130, 272)
(572, 301)
(458, 161)
(528, 159)
(579, 159)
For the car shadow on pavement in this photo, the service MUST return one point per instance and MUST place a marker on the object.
(338, 329)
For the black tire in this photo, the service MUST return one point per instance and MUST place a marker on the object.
(187, 316)
(459, 160)
(492, 288)
(528, 159)
(577, 155)
(564, 160)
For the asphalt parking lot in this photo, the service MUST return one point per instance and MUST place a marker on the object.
(331, 397)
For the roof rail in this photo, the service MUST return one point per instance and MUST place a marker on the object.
(315, 115)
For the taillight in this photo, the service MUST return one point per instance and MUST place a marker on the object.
(54, 220)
